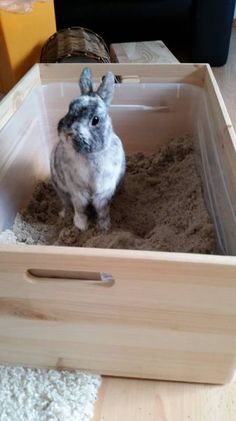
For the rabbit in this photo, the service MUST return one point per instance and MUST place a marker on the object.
(88, 163)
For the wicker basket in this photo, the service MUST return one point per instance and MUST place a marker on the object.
(75, 45)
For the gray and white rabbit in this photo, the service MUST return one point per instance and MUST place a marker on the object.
(88, 163)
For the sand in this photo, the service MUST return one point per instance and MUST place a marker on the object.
(159, 207)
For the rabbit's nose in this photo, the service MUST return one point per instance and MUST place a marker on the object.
(81, 131)
(69, 133)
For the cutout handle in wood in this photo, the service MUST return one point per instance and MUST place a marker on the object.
(50, 275)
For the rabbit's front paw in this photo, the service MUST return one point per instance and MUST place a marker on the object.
(81, 221)
(104, 224)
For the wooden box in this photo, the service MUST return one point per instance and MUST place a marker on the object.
(120, 312)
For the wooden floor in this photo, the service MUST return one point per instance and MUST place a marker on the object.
(139, 400)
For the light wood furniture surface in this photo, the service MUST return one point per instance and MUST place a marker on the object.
(142, 52)
(140, 400)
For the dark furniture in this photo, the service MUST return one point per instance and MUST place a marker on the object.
(195, 30)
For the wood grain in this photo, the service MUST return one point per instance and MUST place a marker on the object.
(164, 322)
(147, 72)
(226, 79)
(139, 400)
(224, 151)
(11, 102)
(142, 52)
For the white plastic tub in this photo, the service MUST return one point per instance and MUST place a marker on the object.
(145, 116)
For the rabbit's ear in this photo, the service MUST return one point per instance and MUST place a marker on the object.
(106, 89)
(85, 82)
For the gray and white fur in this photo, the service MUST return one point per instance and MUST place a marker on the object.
(88, 163)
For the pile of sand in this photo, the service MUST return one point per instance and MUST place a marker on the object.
(160, 207)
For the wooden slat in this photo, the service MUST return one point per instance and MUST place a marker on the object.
(70, 72)
(219, 108)
(225, 136)
(226, 79)
(223, 154)
(13, 100)
(167, 316)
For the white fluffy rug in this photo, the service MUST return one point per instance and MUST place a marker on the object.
(46, 395)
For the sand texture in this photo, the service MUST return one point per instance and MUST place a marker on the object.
(159, 207)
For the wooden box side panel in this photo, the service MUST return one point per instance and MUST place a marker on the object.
(165, 73)
(163, 318)
(23, 139)
(220, 159)
(225, 136)
(17, 95)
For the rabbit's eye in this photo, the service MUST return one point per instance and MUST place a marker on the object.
(95, 120)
